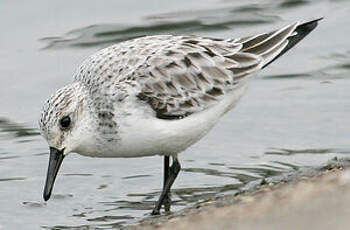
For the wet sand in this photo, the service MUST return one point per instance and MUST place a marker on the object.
(315, 198)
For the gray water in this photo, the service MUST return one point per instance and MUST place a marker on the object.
(296, 114)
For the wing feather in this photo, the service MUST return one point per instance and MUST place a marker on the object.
(197, 74)
(181, 75)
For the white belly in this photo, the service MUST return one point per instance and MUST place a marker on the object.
(142, 135)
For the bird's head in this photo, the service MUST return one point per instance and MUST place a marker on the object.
(64, 123)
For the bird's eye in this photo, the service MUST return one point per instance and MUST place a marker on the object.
(65, 122)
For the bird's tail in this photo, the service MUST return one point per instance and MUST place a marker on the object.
(271, 46)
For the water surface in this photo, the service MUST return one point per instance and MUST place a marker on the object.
(294, 115)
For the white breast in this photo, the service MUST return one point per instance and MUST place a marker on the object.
(142, 134)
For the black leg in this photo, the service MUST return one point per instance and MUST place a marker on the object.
(173, 172)
(167, 199)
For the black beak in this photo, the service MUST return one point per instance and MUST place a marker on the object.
(56, 158)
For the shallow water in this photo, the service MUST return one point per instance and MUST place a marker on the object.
(294, 115)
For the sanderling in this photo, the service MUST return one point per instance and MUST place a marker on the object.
(155, 95)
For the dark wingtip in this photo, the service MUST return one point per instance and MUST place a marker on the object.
(302, 31)
(307, 27)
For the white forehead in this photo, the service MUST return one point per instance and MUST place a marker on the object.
(56, 106)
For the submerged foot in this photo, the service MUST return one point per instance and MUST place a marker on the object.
(167, 202)
(155, 212)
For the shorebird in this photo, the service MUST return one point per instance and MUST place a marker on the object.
(155, 95)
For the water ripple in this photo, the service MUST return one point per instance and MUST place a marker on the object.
(16, 130)
(289, 152)
(180, 22)
(12, 179)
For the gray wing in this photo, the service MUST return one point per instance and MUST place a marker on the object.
(200, 71)
(181, 75)
(193, 75)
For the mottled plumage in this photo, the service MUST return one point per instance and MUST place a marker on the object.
(156, 94)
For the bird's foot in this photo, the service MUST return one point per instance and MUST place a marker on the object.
(167, 203)
(155, 212)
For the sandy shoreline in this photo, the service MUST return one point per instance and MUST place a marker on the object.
(314, 198)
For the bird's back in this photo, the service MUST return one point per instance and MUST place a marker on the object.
(181, 75)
